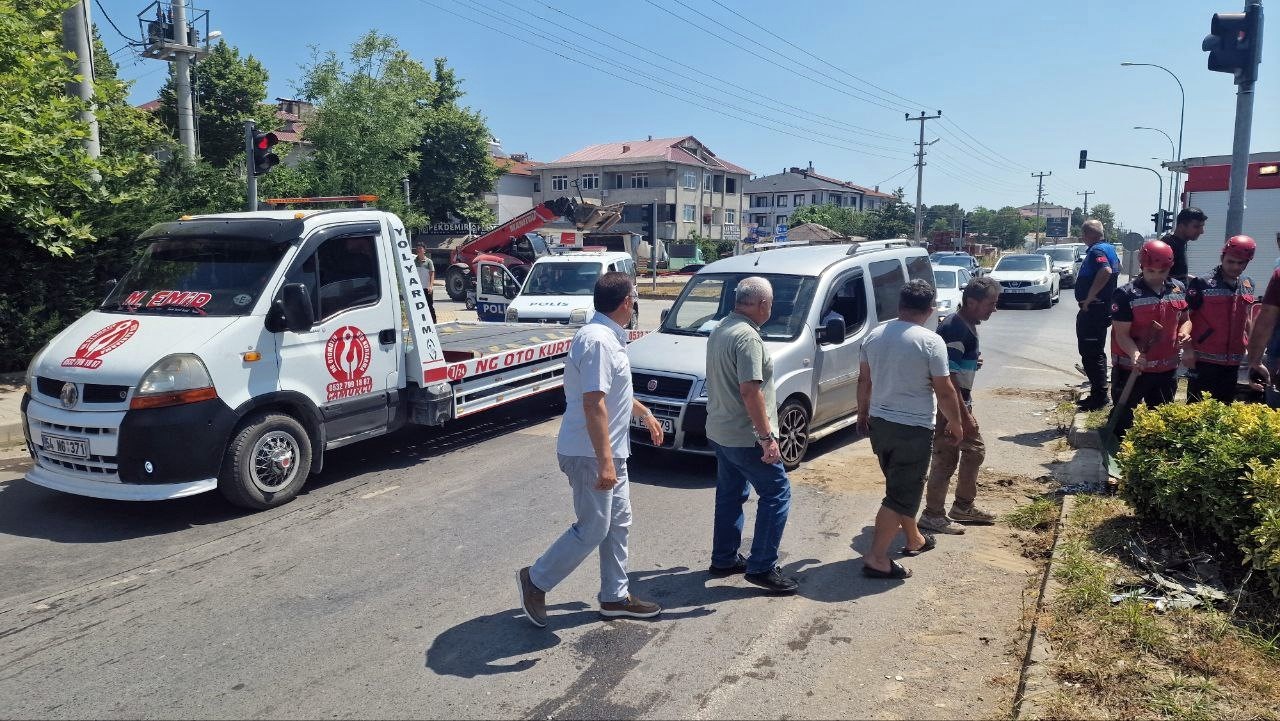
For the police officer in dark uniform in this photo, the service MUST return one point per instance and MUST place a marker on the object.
(1093, 289)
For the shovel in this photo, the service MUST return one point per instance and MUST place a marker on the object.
(1110, 442)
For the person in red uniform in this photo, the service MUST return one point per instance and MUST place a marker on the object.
(1220, 311)
(1137, 345)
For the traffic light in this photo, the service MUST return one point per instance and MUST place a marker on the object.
(1234, 43)
(1084, 154)
(1166, 221)
(263, 158)
(1155, 220)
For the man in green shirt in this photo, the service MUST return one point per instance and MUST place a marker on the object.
(742, 423)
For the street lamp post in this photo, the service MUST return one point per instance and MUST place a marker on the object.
(1172, 180)
(1181, 117)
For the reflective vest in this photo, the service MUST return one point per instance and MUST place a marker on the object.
(1147, 306)
(1218, 317)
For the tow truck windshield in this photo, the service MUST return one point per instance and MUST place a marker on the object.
(709, 298)
(197, 276)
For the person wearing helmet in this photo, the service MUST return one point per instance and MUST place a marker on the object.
(1094, 287)
(1150, 325)
(1219, 305)
(1188, 226)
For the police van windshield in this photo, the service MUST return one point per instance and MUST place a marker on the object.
(197, 276)
(707, 299)
(562, 279)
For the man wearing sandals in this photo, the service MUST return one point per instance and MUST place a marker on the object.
(904, 380)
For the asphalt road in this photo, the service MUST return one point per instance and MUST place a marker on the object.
(387, 588)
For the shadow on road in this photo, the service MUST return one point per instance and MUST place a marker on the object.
(480, 646)
(1034, 439)
(31, 511)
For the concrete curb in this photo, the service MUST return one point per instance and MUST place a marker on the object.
(1086, 468)
(11, 433)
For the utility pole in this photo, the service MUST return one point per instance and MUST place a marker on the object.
(76, 39)
(173, 37)
(1039, 198)
(1086, 194)
(920, 169)
(182, 80)
(251, 193)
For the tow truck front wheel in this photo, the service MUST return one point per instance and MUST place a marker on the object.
(267, 462)
(793, 433)
(455, 284)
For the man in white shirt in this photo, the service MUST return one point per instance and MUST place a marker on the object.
(592, 447)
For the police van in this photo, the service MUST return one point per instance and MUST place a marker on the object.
(558, 289)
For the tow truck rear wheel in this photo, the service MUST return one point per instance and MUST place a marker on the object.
(455, 284)
(793, 433)
(266, 463)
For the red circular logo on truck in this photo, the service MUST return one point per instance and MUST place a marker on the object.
(346, 356)
(89, 353)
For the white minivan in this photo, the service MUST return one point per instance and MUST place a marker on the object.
(825, 300)
(558, 289)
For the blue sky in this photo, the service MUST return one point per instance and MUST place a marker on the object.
(1022, 86)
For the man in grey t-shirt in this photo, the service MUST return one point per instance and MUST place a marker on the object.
(903, 381)
(742, 424)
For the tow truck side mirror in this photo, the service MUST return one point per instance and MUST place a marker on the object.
(665, 312)
(292, 310)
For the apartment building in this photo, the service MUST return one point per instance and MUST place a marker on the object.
(696, 191)
(1046, 211)
(771, 199)
(512, 193)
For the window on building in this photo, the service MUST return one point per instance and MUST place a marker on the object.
(782, 220)
(761, 220)
(782, 201)
(706, 182)
(617, 180)
(760, 201)
(836, 200)
(559, 182)
(688, 213)
(798, 200)
(690, 180)
(537, 184)
(717, 183)
(731, 185)
(730, 216)
(813, 198)
(667, 212)
(590, 181)
(639, 180)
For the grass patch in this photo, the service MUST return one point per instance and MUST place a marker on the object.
(1093, 420)
(1125, 660)
(1037, 515)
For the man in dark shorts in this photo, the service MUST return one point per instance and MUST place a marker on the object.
(904, 380)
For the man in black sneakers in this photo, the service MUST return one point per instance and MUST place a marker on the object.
(742, 424)
(1094, 286)
(593, 446)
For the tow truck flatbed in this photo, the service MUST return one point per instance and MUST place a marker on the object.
(463, 340)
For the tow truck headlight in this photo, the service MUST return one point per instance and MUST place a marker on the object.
(513, 315)
(174, 380)
(578, 315)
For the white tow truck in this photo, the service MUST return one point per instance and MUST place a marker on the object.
(241, 347)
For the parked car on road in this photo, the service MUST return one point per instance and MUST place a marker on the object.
(1027, 278)
(826, 299)
(961, 260)
(1065, 260)
(949, 281)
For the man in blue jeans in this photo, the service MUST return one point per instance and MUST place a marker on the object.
(742, 423)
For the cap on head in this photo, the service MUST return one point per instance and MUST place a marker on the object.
(1155, 255)
(1240, 247)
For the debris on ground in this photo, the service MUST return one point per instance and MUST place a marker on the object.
(1172, 582)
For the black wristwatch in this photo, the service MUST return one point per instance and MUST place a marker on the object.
(765, 439)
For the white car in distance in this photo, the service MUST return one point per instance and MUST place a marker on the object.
(950, 281)
(1027, 278)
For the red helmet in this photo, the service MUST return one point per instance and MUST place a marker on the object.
(1240, 247)
(1155, 255)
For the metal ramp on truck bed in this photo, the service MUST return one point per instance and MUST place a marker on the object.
(465, 341)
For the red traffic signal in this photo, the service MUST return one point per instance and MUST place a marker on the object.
(263, 159)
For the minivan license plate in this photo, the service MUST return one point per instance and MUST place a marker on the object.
(668, 426)
(63, 446)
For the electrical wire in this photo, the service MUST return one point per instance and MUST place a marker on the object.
(649, 87)
(113, 25)
(626, 68)
(900, 172)
(834, 122)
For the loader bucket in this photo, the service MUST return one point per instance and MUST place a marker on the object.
(595, 218)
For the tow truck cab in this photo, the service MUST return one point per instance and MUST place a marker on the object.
(243, 346)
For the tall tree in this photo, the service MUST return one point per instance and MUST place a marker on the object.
(1104, 213)
(454, 169)
(228, 90)
(841, 219)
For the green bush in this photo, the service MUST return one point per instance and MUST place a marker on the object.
(1213, 471)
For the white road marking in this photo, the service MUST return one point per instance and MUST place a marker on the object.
(379, 492)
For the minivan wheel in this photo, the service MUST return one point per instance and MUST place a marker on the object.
(266, 463)
(793, 433)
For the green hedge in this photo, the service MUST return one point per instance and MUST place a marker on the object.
(1212, 470)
